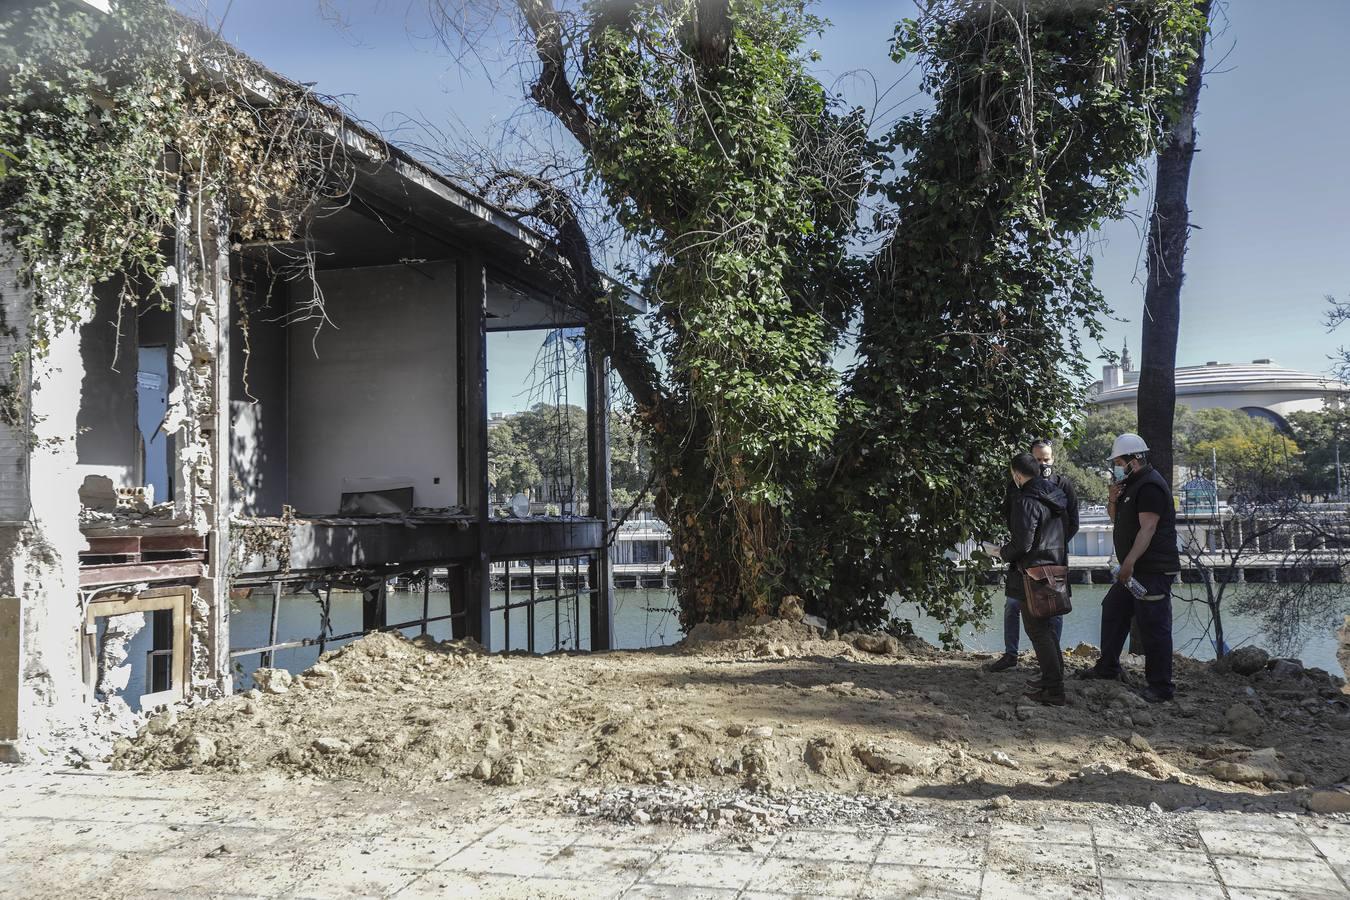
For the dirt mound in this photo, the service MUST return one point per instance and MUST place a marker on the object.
(862, 713)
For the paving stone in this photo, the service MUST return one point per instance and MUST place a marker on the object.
(1253, 894)
(1253, 843)
(1335, 847)
(1054, 832)
(724, 842)
(1162, 865)
(886, 881)
(1056, 861)
(600, 864)
(1262, 874)
(703, 870)
(666, 892)
(825, 878)
(545, 833)
(1124, 889)
(501, 859)
(1002, 886)
(1116, 837)
(647, 837)
(932, 849)
(842, 846)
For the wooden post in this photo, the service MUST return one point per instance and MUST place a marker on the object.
(471, 296)
(597, 454)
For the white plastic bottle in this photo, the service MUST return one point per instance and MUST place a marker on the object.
(1133, 585)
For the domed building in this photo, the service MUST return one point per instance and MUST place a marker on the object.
(1260, 388)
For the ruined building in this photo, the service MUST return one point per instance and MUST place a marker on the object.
(231, 444)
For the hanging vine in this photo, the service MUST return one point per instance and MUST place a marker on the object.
(116, 128)
(1043, 115)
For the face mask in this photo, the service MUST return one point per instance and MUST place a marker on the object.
(1119, 472)
(1046, 470)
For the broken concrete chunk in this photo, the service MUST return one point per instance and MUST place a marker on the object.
(97, 492)
(483, 771)
(896, 760)
(272, 681)
(162, 722)
(1285, 668)
(321, 675)
(999, 758)
(1330, 800)
(196, 750)
(1137, 742)
(877, 643)
(330, 746)
(1241, 720)
(1247, 660)
(509, 771)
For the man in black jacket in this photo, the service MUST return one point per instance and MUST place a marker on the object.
(1036, 522)
(1044, 453)
(1145, 535)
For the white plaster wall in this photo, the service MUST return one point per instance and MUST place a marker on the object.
(39, 561)
(374, 395)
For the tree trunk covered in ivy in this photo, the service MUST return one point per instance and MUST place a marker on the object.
(969, 348)
(721, 157)
(723, 160)
(1168, 228)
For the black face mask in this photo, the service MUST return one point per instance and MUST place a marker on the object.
(1046, 470)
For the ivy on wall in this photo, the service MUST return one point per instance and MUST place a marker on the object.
(115, 129)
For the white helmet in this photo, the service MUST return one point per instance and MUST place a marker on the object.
(1128, 444)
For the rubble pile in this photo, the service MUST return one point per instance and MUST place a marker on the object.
(852, 714)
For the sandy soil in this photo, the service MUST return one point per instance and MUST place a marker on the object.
(768, 705)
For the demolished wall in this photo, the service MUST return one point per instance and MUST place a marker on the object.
(40, 537)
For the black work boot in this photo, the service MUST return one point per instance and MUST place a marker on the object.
(1006, 661)
(1047, 698)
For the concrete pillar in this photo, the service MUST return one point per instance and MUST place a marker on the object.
(39, 554)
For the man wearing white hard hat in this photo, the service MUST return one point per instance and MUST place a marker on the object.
(1145, 535)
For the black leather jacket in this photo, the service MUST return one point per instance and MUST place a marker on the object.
(1037, 521)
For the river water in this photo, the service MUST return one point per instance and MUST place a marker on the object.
(645, 618)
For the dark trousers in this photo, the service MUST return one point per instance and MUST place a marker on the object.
(1153, 615)
(1012, 625)
(1044, 635)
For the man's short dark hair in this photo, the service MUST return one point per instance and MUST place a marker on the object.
(1026, 464)
(1038, 444)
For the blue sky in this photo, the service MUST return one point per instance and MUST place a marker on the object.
(1269, 191)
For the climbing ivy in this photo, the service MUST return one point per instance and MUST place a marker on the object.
(1043, 113)
(114, 127)
(731, 167)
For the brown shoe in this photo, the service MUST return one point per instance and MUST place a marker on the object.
(1047, 698)
(1004, 662)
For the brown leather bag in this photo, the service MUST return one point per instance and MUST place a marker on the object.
(1047, 589)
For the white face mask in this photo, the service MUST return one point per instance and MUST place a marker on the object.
(1119, 472)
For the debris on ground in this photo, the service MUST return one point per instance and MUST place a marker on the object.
(768, 706)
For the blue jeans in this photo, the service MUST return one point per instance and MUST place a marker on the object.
(1012, 625)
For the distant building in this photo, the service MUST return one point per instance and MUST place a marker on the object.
(1260, 388)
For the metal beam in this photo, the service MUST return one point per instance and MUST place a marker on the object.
(598, 495)
(471, 291)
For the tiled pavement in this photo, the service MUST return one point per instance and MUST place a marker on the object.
(116, 835)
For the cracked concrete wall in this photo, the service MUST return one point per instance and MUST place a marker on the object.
(41, 540)
(40, 537)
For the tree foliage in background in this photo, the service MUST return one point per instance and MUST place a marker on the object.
(546, 445)
(1043, 113)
